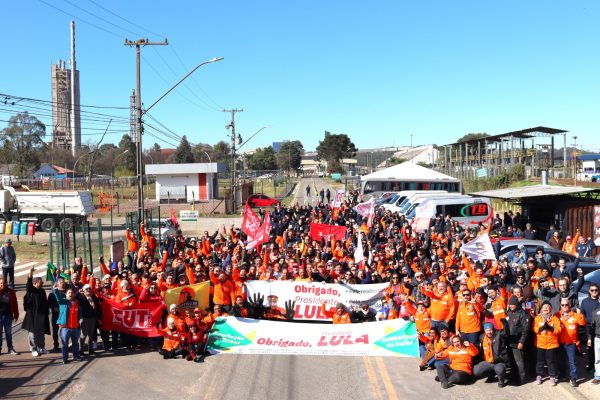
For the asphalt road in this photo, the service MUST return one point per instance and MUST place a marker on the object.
(236, 377)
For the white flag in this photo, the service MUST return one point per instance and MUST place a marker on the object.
(479, 248)
(359, 254)
(365, 209)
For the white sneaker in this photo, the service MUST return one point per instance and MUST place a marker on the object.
(34, 353)
(43, 351)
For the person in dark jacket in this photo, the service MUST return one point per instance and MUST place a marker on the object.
(8, 257)
(364, 314)
(36, 320)
(9, 313)
(518, 330)
(495, 353)
(593, 334)
(91, 314)
(565, 290)
(589, 306)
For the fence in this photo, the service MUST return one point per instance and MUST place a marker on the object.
(84, 240)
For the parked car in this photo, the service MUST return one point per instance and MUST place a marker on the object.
(261, 200)
(588, 278)
(167, 227)
(588, 264)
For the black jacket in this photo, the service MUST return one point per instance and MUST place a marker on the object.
(360, 316)
(36, 308)
(85, 308)
(518, 326)
(499, 344)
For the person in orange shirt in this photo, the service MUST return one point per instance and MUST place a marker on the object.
(210, 319)
(132, 243)
(173, 343)
(546, 327)
(460, 369)
(442, 304)
(338, 315)
(570, 244)
(468, 319)
(498, 306)
(568, 338)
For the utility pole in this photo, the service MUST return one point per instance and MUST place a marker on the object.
(138, 106)
(234, 139)
(575, 161)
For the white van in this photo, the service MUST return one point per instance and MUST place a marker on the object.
(408, 209)
(467, 211)
(394, 206)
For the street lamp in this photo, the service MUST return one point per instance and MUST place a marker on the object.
(75, 165)
(140, 114)
(575, 161)
(233, 150)
(207, 155)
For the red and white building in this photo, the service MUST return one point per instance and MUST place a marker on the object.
(194, 182)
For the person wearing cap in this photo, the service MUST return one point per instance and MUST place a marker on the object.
(568, 338)
(460, 368)
(338, 315)
(495, 354)
(90, 316)
(547, 328)
(8, 257)
(517, 335)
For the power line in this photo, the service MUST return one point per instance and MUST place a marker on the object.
(124, 19)
(101, 19)
(61, 103)
(81, 19)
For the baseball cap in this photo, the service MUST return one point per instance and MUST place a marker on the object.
(8, 240)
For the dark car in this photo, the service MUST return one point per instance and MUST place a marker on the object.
(261, 200)
(588, 264)
(588, 278)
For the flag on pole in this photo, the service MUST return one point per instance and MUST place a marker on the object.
(479, 248)
(262, 235)
(251, 222)
(359, 254)
(318, 231)
(366, 210)
(51, 273)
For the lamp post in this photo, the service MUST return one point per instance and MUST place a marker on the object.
(75, 165)
(575, 161)
(141, 113)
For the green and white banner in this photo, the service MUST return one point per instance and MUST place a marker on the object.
(394, 338)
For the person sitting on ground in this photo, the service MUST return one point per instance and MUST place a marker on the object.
(460, 369)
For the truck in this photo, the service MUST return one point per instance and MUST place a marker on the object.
(47, 209)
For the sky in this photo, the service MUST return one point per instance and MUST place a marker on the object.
(382, 72)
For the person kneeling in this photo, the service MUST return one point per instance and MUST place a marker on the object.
(173, 344)
(460, 369)
(495, 355)
(195, 344)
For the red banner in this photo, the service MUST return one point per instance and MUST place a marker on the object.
(318, 231)
(251, 222)
(138, 320)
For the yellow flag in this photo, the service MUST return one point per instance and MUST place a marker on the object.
(189, 297)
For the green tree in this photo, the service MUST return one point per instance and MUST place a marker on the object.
(263, 159)
(23, 143)
(202, 153)
(333, 148)
(472, 136)
(289, 155)
(126, 163)
(183, 153)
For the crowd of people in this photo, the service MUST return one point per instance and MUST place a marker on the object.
(507, 320)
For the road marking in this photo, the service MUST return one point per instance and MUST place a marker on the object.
(566, 393)
(39, 268)
(387, 382)
(372, 377)
(25, 266)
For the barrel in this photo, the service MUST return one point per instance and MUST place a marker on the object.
(23, 231)
(8, 229)
(31, 229)
(16, 228)
(2, 226)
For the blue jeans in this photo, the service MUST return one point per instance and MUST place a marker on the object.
(597, 362)
(65, 335)
(570, 350)
(471, 337)
(6, 327)
(8, 273)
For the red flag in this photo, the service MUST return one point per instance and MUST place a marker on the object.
(251, 222)
(138, 320)
(174, 219)
(262, 235)
(318, 231)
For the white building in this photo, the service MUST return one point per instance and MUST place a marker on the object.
(185, 182)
